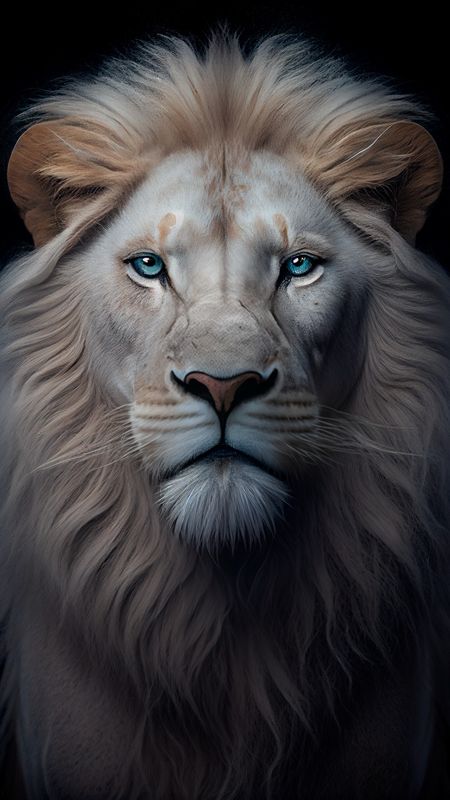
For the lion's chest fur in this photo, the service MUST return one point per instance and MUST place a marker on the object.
(76, 736)
(70, 735)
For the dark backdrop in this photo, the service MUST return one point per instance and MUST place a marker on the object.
(43, 44)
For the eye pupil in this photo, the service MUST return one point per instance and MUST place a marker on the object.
(146, 265)
(300, 264)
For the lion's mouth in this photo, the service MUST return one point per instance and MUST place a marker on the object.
(222, 451)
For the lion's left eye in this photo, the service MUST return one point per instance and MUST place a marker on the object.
(300, 263)
(146, 265)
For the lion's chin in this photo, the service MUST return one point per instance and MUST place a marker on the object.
(223, 503)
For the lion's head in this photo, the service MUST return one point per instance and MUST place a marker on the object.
(226, 338)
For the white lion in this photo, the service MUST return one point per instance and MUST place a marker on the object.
(224, 433)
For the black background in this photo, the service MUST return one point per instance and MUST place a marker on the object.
(43, 44)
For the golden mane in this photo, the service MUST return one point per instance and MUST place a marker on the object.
(366, 544)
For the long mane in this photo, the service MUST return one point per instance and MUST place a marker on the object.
(196, 641)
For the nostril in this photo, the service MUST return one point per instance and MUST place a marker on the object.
(191, 385)
(199, 389)
(254, 387)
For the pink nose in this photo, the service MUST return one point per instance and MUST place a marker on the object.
(223, 390)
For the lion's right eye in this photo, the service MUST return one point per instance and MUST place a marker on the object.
(145, 265)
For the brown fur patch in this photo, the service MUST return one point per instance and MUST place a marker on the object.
(165, 225)
(280, 222)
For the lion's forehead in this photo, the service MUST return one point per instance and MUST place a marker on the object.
(192, 196)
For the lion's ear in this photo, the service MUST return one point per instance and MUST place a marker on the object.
(397, 164)
(58, 166)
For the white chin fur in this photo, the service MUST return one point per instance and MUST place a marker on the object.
(222, 503)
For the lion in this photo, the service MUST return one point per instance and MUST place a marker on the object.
(225, 447)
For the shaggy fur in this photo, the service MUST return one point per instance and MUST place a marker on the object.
(217, 685)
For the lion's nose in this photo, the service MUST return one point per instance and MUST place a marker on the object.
(223, 393)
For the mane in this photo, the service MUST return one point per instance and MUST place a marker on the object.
(196, 640)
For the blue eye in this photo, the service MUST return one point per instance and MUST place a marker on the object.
(301, 263)
(147, 265)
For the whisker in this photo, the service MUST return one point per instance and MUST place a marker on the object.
(326, 437)
(307, 456)
(125, 454)
(105, 464)
(358, 440)
(57, 461)
(73, 457)
(365, 420)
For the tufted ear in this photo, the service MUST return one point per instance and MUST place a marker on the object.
(395, 165)
(58, 166)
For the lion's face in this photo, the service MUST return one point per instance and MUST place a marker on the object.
(225, 304)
